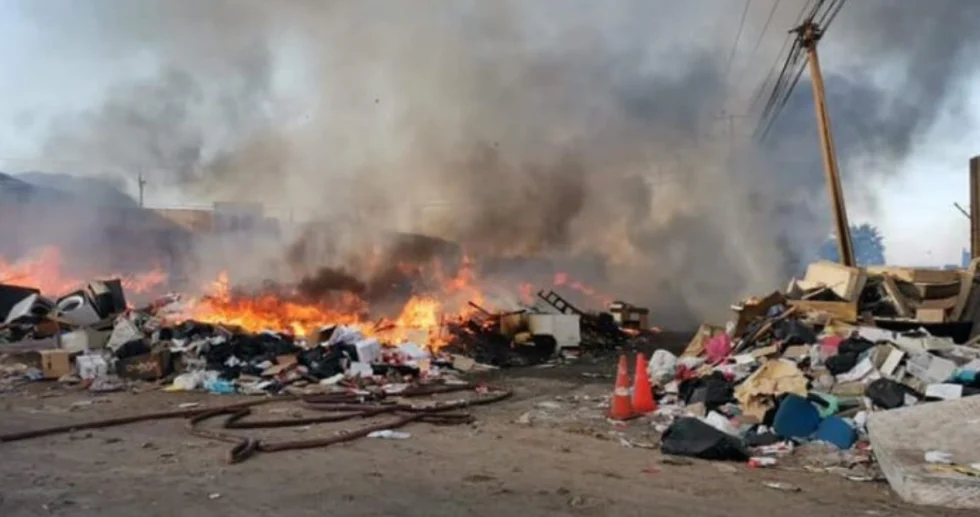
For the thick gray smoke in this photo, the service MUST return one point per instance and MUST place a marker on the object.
(548, 129)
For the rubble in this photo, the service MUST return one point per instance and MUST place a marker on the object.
(796, 376)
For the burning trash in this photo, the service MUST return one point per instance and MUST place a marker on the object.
(272, 340)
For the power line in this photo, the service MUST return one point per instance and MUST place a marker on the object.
(738, 36)
(780, 93)
(772, 70)
(765, 27)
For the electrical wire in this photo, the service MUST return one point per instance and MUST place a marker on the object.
(738, 36)
(765, 27)
(772, 70)
(780, 94)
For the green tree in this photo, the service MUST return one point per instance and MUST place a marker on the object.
(869, 247)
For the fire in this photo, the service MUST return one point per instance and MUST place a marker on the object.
(441, 298)
(420, 319)
(268, 311)
(43, 269)
(562, 280)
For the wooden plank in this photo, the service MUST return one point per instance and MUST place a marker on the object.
(844, 311)
(967, 281)
(901, 304)
(930, 315)
(934, 291)
(917, 275)
(939, 303)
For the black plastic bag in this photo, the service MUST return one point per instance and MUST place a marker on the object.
(886, 393)
(793, 332)
(694, 438)
(712, 390)
(842, 362)
(854, 345)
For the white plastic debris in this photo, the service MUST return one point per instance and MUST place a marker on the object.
(344, 334)
(662, 367)
(368, 350)
(91, 366)
(413, 352)
(944, 391)
(123, 331)
(720, 422)
(389, 434)
(192, 380)
(939, 457)
(330, 381)
(359, 369)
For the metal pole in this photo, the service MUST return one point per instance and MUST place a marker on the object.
(975, 207)
(810, 34)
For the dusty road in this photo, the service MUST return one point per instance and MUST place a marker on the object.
(495, 467)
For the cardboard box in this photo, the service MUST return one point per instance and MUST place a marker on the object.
(55, 363)
(148, 367)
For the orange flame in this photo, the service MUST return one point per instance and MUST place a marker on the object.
(420, 319)
(561, 279)
(43, 270)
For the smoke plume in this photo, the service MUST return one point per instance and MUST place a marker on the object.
(562, 131)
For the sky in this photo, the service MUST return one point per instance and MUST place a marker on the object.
(47, 74)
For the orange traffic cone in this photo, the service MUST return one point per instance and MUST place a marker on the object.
(642, 392)
(621, 408)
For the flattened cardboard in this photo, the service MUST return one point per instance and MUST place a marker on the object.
(916, 275)
(844, 311)
(926, 315)
(846, 282)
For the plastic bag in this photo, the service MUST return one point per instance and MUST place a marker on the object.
(694, 438)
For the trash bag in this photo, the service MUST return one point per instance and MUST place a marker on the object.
(662, 367)
(761, 435)
(711, 390)
(842, 362)
(694, 438)
(886, 393)
(793, 332)
(855, 345)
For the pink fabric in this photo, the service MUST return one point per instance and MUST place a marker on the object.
(829, 345)
(718, 347)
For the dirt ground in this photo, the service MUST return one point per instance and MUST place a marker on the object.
(507, 463)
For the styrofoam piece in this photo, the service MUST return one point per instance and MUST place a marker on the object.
(368, 350)
(901, 438)
(930, 368)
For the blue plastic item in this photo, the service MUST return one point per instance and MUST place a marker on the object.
(837, 431)
(220, 387)
(796, 417)
(965, 376)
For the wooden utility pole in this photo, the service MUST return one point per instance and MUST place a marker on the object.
(975, 207)
(809, 34)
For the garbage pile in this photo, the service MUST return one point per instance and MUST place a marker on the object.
(93, 336)
(793, 374)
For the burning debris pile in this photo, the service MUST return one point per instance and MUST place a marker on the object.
(231, 340)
